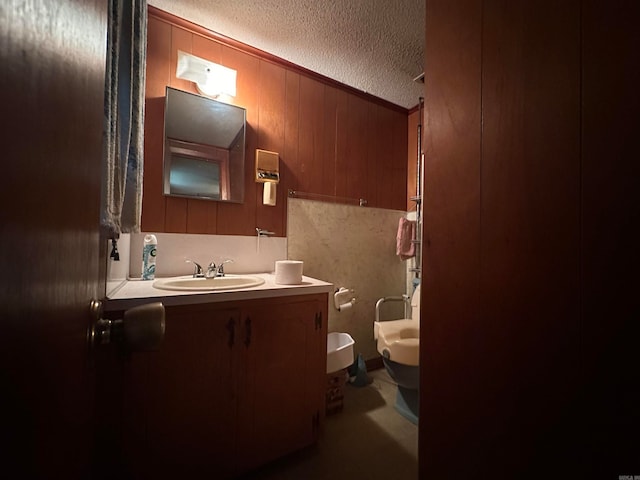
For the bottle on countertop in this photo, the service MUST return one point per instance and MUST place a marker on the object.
(149, 251)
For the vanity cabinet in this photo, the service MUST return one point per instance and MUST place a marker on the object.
(233, 386)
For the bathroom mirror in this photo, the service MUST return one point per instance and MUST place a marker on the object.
(204, 143)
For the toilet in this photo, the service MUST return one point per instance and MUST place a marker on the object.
(398, 341)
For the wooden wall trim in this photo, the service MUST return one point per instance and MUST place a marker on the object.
(261, 54)
(413, 109)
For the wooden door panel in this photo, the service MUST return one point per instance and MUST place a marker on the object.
(52, 95)
(530, 227)
(450, 263)
(276, 411)
(609, 258)
(184, 395)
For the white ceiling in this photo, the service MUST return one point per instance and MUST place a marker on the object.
(376, 46)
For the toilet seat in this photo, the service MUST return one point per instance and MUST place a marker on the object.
(399, 340)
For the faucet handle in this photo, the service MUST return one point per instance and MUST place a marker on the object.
(221, 266)
(197, 269)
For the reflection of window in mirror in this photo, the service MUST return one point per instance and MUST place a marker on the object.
(204, 145)
(197, 170)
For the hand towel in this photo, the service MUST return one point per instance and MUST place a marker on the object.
(405, 248)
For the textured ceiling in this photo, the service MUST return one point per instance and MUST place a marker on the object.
(376, 46)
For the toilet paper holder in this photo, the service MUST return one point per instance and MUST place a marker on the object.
(343, 298)
(268, 173)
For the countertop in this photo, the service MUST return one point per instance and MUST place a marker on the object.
(137, 292)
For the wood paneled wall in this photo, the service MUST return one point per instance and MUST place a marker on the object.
(413, 121)
(331, 140)
(530, 268)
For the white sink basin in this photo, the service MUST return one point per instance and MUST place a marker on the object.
(228, 282)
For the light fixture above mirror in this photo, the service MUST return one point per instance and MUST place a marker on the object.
(210, 78)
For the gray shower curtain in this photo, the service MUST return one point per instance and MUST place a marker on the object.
(124, 116)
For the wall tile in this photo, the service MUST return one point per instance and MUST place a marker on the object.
(352, 247)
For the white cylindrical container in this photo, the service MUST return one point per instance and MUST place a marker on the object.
(289, 272)
(149, 252)
(269, 194)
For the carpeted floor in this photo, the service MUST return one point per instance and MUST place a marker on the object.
(368, 440)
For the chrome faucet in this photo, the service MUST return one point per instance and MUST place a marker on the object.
(263, 233)
(216, 271)
(197, 269)
(212, 271)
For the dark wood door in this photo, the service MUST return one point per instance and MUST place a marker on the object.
(530, 180)
(52, 54)
(609, 252)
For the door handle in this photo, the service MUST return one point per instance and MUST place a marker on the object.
(141, 329)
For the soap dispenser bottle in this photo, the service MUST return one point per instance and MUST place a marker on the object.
(149, 251)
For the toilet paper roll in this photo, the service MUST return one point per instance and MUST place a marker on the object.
(269, 194)
(289, 272)
(345, 306)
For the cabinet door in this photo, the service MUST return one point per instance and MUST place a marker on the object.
(185, 397)
(281, 384)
